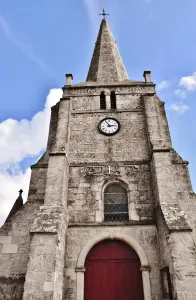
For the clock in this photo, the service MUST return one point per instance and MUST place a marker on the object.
(109, 126)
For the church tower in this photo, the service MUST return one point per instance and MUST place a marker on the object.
(110, 213)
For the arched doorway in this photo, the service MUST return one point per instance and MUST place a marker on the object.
(112, 272)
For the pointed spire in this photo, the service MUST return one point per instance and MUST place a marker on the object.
(106, 64)
(17, 205)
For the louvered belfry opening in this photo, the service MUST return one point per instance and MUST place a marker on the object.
(102, 101)
(113, 100)
(115, 203)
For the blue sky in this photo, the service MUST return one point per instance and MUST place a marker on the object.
(42, 40)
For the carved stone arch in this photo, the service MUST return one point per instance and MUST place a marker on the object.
(121, 181)
(112, 234)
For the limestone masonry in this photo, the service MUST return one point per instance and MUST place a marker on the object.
(73, 204)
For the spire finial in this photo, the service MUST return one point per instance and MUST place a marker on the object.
(104, 14)
(20, 192)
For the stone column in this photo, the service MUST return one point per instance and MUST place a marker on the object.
(156, 122)
(58, 168)
(62, 134)
(146, 283)
(80, 283)
(108, 102)
(45, 271)
(179, 253)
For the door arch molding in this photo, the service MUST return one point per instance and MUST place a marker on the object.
(132, 242)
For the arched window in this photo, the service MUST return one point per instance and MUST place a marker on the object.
(102, 101)
(113, 100)
(115, 203)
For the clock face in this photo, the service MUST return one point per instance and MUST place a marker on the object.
(109, 126)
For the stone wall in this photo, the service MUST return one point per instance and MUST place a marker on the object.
(53, 126)
(88, 145)
(15, 237)
(86, 103)
(92, 103)
(14, 251)
(86, 142)
(37, 184)
(86, 187)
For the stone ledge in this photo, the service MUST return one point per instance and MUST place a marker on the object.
(155, 150)
(109, 111)
(80, 270)
(94, 85)
(39, 166)
(57, 153)
(112, 163)
(65, 98)
(145, 268)
(112, 224)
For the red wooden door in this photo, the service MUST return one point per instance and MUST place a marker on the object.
(112, 273)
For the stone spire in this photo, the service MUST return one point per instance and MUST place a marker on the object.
(106, 64)
(17, 205)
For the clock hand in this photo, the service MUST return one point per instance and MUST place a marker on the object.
(108, 124)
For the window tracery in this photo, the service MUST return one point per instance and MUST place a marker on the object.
(115, 203)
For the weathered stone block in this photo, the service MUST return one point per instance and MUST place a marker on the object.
(42, 263)
(48, 286)
(5, 239)
(10, 248)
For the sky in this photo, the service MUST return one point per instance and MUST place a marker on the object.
(41, 41)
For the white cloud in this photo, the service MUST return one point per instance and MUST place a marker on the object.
(189, 82)
(20, 139)
(23, 46)
(24, 137)
(179, 108)
(163, 85)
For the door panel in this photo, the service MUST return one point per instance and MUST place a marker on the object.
(113, 273)
(127, 280)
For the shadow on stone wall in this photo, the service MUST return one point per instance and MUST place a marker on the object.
(12, 288)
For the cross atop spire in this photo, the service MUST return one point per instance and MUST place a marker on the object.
(104, 14)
